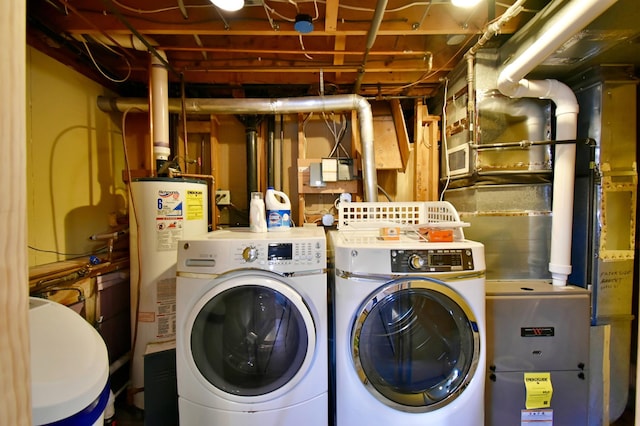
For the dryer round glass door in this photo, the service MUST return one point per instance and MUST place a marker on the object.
(252, 336)
(415, 344)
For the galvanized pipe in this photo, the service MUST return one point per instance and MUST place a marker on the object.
(276, 106)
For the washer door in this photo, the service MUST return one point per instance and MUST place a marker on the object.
(415, 344)
(251, 335)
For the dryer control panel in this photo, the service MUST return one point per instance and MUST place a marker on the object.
(431, 260)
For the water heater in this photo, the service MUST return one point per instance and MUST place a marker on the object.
(162, 211)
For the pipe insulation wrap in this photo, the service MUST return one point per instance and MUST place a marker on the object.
(332, 103)
(160, 108)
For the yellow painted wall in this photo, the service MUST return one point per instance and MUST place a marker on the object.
(74, 161)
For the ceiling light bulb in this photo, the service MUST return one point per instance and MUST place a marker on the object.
(228, 5)
(464, 3)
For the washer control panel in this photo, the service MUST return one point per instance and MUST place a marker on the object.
(300, 249)
(431, 260)
(280, 253)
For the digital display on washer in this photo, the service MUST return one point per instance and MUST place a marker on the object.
(280, 251)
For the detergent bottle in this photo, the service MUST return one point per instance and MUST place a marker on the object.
(278, 210)
(257, 214)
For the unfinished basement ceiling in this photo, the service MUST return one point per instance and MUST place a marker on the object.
(257, 52)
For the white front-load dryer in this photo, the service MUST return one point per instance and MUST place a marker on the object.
(409, 330)
(251, 332)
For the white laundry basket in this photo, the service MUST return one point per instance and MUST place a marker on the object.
(69, 367)
(409, 215)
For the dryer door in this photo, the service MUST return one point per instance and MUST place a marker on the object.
(251, 335)
(415, 344)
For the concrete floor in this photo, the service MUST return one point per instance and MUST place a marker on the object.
(132, 416)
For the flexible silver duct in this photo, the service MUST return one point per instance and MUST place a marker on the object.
(275, 106)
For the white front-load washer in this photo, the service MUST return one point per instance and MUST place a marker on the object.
(251, 331)
(409, 330)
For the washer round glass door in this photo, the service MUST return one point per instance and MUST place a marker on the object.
(252, 335)
(415, 344)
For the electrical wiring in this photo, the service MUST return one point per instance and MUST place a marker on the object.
(127, 164)
(86, 46)
(338, 135)
(294, 3)
(522, 10)
(385, 193)
(445, 145)
(164, 9)
(305, 121)
(75, 255)
(306, 55)
(432, 73)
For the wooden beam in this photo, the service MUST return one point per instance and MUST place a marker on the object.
(401, 131)
(426, 155)
(15, 384)
(331, 15)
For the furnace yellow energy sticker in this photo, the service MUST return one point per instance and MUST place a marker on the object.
(539, 390)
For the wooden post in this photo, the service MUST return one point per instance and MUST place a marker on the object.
(426, 155)
(15, 381)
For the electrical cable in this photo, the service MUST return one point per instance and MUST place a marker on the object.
(122, 80)
(385, 193)
(445, 145)
(306, 55)
(76, 255)
(134, 337)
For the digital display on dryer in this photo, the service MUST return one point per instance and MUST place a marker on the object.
(440, 259)
(280, 251)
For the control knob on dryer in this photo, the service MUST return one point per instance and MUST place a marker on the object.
(416, 261)
(250, 254)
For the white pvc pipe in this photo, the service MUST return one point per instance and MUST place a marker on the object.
(571, 19)
(564, 169)
(568, 21)
(159, 100)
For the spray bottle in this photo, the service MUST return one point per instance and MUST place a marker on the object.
(278, 210)
(257, 215)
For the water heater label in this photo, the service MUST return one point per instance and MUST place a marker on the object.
(169, 203)
(169, 220)
(195, 205)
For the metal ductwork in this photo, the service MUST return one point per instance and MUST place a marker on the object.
(334, 103)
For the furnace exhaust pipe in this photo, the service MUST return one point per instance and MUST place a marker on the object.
(511, 82)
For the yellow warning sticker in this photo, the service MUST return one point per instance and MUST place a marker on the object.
(539, 390)
(195, 205)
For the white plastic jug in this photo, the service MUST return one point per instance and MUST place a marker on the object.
(278, 210)
(257, 214)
